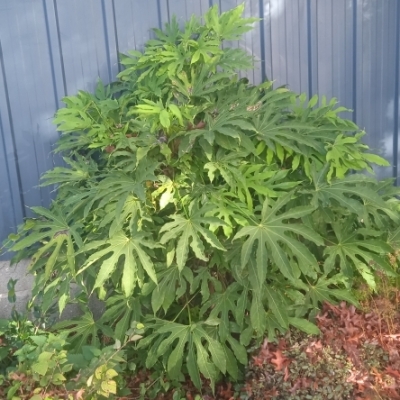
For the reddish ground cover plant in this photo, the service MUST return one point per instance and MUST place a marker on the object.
(357, 357)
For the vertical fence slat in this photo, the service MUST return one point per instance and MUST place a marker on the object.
(11, 210)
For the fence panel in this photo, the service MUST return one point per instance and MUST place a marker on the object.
(347, 49)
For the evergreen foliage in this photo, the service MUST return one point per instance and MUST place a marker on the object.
(211, 210)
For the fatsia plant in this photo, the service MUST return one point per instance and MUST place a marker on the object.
(210, 209)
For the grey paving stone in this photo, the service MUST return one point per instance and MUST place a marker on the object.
(23, 290)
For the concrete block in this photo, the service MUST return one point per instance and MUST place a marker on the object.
(23, 290)
(23, 287)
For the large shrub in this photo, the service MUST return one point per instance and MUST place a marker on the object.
(212, 210)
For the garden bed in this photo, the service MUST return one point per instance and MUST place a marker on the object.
(357, 356)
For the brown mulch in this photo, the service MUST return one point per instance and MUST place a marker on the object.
(362, 350)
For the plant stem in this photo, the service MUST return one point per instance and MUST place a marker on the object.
(186, 304)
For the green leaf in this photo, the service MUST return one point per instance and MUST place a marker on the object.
(172, 285)
(352, 250)
(205, 354)
(188, 231)
(324, 291)
(54, 235)
(277, 306)
(40, 367)
(204, 280)
(192, 367)
(121, 309)
(79, 171)
(224, 308)
(231, 364)
(176, 112)
(83, 330)
(133, 255)
(164, 119)
(108, 386)
(269, 238)
(304, 325)
(249, 188)
(257, 315)
(313, 101)
(351, 192)
(375, 159)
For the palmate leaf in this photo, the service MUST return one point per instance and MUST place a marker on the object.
(325, 290)
(229, 216)
(205, 354)
(188, 231)
(225, 212)
(227, 306)
(200, 83)
(172, 285)
(203, 281)
(79, 171)
(226, 164)
(127, 211)
(55, 290)
(286, 306)
(266, 294)
(121, 311)
(229, 125)
(136, 260)
(346, 154)
(355, 249)
(235, 59)
(83, 330)
(128, 208)
(349, 153)
(54, 235)
(272, 127)
(269, 237)
(375, 216)
(267, 180)
(351, 192)
(230, 24)
(119, 184)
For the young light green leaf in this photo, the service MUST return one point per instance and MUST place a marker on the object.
(164, 119)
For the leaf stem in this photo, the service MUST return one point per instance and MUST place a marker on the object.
(186, 304)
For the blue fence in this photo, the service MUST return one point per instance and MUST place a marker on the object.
(347, 49)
